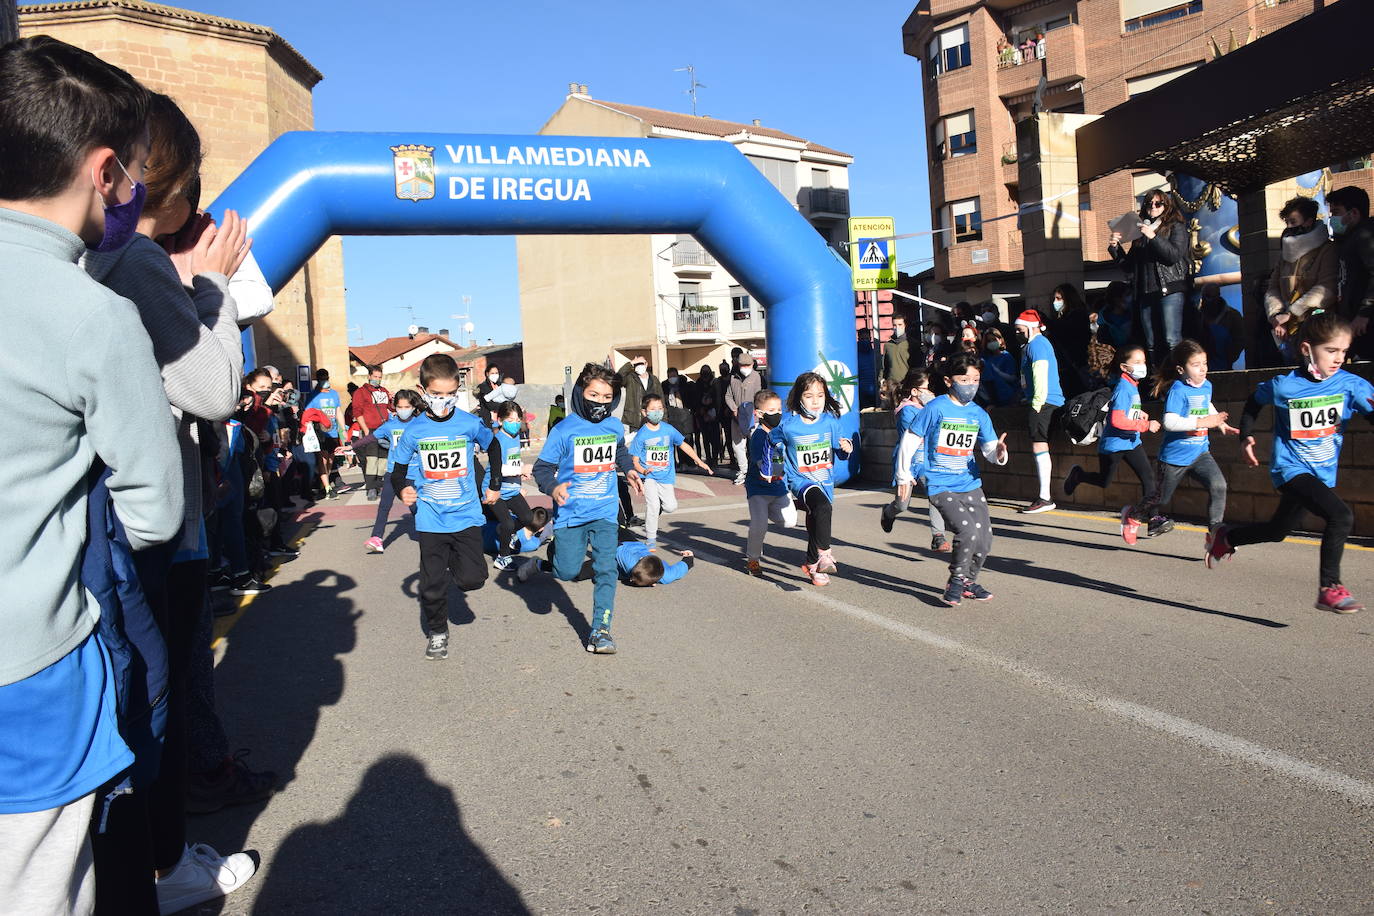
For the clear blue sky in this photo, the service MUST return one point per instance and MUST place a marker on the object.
(832, 73)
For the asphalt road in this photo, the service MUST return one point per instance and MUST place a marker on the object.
(1119, 730)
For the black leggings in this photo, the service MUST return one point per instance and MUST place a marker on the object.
(818, 514)
(1304, 493)
(506, 524)
(1107, 463)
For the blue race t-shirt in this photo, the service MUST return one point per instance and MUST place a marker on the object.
(585, 455)
(1183, 448)
(1126, 399)
(1037, 350)
(388, 434)
(906, 419)
(61, 737)
(999, 373)
(950, 433)
(445, 475)
(809, 452)
(326, 401)
(767, 467)
(1309, 421)
(655, 450)
(512, 465)
(631, 552)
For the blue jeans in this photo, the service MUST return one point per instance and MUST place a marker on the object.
(1170, 309)
(384, 501)
(232, 546)
(570, 549)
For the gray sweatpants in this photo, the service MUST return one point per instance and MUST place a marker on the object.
(763, 509)
(1205, 471)
(45, 861)
(966, 514)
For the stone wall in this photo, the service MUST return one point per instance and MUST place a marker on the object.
(1251, 495)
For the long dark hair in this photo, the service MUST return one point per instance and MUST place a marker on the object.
(1170, 370)
(1171, 212)
(805, 381)
(1073, 299)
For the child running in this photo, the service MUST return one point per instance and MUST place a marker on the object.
(652, 452)
(444, 444)
(916, 394)
(1188, 416)
(941, 440)
(1312, 405)
(811, 439)
(504, 501)
(387, 434)
(765, 486)
(1121, 442)
(578, 470)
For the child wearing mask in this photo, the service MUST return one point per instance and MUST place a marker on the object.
(916, 394)
(444, 444)
(1001, 385)
(765, 486)
(941, 440)
(811, 439)
(577, 468)
(503, 501)
(652, 452)
(404, 408)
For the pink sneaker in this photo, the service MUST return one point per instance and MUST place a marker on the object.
(825, 561)
(1338, 600)
(374, 545)
(1129, 525)
(816, 577)
(1218, 546)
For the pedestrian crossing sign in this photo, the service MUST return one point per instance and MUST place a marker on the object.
(872, 253)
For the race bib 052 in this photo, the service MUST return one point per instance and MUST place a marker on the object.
(444, 459)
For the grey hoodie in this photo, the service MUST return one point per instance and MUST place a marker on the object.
(82, 384)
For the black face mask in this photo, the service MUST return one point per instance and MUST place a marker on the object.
(592, 411)
(770, 420)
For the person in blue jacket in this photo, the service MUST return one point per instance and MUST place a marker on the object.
(1311, 407)
(764, 483)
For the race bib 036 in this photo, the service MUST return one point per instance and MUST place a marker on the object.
(1315, 418)
(656, 457)
(444, 459)
(594, 454)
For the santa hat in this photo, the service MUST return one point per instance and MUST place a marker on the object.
(1029, 319)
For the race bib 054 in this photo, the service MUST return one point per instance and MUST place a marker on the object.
(812, 459)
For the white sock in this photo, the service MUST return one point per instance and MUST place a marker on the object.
(1042, 470)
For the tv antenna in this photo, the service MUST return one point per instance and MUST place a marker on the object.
(467, 325)
(692, 90)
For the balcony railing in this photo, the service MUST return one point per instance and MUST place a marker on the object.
(690, 254)
(692, 321)
(829, 200)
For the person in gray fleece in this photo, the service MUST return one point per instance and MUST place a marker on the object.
(83, 386)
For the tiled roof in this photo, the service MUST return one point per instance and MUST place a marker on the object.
(392, 347)
(673, 120)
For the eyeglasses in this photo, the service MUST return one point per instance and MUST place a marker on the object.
(1156, 205)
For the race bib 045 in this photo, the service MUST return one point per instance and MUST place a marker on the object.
(956, 438)
(444, 459)
(1315, 418)
(594, 454)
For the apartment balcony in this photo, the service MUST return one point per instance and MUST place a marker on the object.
(1065, 60)
(691, 254)
(1011, 171)
(693, 321)
(828, 202)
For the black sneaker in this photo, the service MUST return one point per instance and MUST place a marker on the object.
(600, 643)
(281, 550)
(634, 521)
(248, 584)
(232, 784)
(889, 515)
(372, 496)
(1160, 524)
(976, 592)
(438, 646)
(1038, 505)
(954, 591)
(220, 582)
(1073, 480)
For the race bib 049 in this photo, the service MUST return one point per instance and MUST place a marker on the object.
(956, 437)
(444, 459)
(1315, 418)
(594, 454)
(512, 466)
(812, 459)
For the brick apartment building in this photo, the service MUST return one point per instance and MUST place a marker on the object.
(983, 62)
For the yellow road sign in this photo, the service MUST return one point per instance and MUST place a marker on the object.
(872, 252)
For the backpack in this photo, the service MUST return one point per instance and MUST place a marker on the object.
(1084, 415)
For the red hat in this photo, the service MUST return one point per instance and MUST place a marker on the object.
(1029, 319)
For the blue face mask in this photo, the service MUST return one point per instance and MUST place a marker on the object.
(405, 413)
(1337, 225)
(655, 416)
(325, 386)
(964, 392)
(512, 427)
(121, 220)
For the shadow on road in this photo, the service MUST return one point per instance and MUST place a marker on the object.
(399, 847)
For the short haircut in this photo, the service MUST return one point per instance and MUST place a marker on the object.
(1304, 206)
(410, 396)
(540, 516)
(648, 399)
(592, 372)
(259, 373)
(646, 572)
(321, 374)
(57, 103)
(960, 364)
(1350, 197)
(372, 369)
(764, 396)
(174, 156)
(505, 408)
(437, 366)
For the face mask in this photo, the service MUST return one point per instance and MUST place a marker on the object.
(770, 420)
(898, 333)
(494, 378)
(963, 392)
(512, 427)
(1058, 306)
(641, 369)
(325, 386)
(655, 416)
(746, 371)
(1139, 371)
(1292, 231)
(375, 382)
(801, 409)
(1337, 225)
(990, 317)
(672, 380)
(934, 338)
(405, 413)
(994, 346)
(440, 405)
(592, 411)
(121, 220)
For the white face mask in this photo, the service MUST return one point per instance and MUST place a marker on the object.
(440, 405)
(641, 369)
(404, 413)
(1139, 370)
(746, 371)
(494, 378)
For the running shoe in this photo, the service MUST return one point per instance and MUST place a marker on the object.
(1159, 524)
(755, 569)
(438, 646)
(526, 570)
(887, 516)
(283, 551)
(1037, 505)
(202, 874)
(502, 562)
(1218, 546)
(816, 577)
(600, 643)
(1072, 481)
(976, 592)
(232, 783)
(739, 478)
(825, 561)
(221, 582)
(1129, 526)
(248, 584)
(940, 544)
(372, 496)
(331, 493)
(374, 545)
(1338, 600)
(955, 591)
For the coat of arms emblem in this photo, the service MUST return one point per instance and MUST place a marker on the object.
(414, 166)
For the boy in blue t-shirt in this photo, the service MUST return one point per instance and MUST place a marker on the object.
(639, 567)
(652, 452)
(444, 443)
(577, 468)
(764, 482)
(503, 502)
(1040, 379)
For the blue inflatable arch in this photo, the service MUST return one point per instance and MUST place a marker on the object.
(308, 186)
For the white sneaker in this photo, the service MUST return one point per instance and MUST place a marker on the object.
(201, 875)
(740, 478)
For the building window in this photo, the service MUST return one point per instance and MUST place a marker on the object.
(1141, 14)
(689, 296)
(966, 219)
(781, 175)
(949, 50)
(1138, 84)
(740, 304)
(955, 136)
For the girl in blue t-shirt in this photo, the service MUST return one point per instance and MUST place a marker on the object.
(916, 394)
(1188, 416)
(942, 441)
(811, 440)
(503, 501)
(1311, 406)
(403, 407)
(1120, 442)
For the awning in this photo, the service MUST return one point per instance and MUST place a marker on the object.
(1288, 103)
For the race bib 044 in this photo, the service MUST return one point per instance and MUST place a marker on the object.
(814, 458)
(444, 459)
(594, 454)
(1315, 418)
